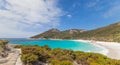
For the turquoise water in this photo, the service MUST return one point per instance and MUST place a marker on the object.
(64, 44)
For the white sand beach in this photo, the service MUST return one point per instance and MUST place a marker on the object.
(112, 47)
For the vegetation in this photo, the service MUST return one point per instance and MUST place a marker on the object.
(39, 55)
(17, 46)
(48, 34)
(109, 33)
(3, 48)
(56, 34)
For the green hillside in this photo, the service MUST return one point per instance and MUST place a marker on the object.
(57, 34)
(48, 34)
(108, 33)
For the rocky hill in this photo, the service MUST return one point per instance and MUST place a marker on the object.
(107, 33)
(57, 34)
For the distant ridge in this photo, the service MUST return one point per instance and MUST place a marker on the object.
(107, 33)
(57, 34)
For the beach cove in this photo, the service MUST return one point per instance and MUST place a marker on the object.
(63, 44)
(107, 49)
(112, 47)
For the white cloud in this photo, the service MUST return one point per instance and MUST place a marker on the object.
(93, 3)
(69, 15)
(22, 18)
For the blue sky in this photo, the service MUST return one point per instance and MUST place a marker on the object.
(25, 18)
(89, 14)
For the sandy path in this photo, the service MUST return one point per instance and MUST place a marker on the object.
(12, 58)
(19, 62)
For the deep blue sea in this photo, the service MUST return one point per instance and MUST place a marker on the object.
(64, 44)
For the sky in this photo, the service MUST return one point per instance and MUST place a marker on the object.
(25, 18)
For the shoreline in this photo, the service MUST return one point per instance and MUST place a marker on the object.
(103, 51)
(112, 47)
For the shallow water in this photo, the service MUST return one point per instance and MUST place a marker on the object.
(64, 44)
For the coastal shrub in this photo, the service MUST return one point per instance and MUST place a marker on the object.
(3, 43)
(57, 62)
(29, 58)
(32, 54)
(17, 46)
(66, 63)
(93, 63)
(3, 48)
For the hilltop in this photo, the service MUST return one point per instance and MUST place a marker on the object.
(108, 33)
(57, 34)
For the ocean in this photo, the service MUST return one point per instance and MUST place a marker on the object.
(64, 44)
